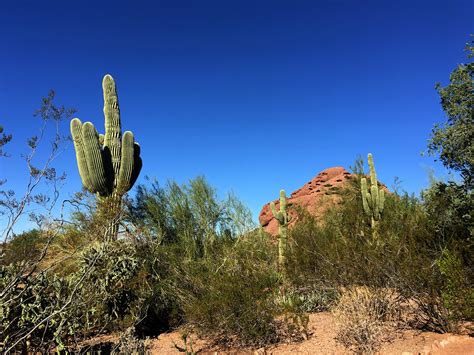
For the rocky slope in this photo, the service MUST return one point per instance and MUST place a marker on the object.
(316, 197)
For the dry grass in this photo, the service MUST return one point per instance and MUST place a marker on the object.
(365, 316)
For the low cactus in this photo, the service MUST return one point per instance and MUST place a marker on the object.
(372, 200)
(108, 164)
(283, 219)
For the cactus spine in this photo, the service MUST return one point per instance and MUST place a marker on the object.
(283, 218)
(108, 164)
(372, 200)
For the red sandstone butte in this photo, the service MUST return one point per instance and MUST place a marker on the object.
(316, 197)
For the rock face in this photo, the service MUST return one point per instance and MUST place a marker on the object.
(316, 197)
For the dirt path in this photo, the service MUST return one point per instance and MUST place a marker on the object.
(322, 341)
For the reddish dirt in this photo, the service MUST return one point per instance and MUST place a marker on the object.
(322, 341)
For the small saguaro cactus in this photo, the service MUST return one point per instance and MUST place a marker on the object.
(283, 218)
(372, 200)
(108, 164)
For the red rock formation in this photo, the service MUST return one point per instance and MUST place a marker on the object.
(316, 197)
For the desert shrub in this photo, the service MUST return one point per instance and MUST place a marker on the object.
(364, 315)
(132, 283)
(198, 268)
(111, 269)
(450, 207)
(113, 288)
(187, 344)
(340, 250)
(222, 276)
(149, 277)
(190, 215)
(129, 343)
(313, 298)
(23, 247)
(458, 290)
(33, 313)
(231, 293)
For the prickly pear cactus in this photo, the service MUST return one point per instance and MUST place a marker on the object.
(108, 164)
(283, 218)
(372, 200)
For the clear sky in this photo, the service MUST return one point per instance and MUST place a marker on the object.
(255, 95)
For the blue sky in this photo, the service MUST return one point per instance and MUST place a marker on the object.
(255, 95)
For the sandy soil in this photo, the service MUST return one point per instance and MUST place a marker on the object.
(322, 341)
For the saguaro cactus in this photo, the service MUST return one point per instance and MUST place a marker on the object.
(373, 199)
(283, 218)
(109, 165)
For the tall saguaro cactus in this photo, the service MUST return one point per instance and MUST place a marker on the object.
(283, 218)
(109, 165)
(372, 200)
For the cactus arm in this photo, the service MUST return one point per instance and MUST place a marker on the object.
(369, 201)
(137, 167)
(375, 201)
(277, 214)
(126, 164)
(282, 201)
(368, 197)
(76, 132)
(365, 195)
(281, 216)
(272, 207)
(373, 174)
(381, 200)
(377, 192)
(112, 124)
(283, 204)
(94, 160)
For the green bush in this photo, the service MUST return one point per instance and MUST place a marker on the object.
(458, 290)
(114, 286)
(339, 251)
(190, 214)
(190, 262)
(186, 257)
(33, 314)
(24, 247)
(450, 207)
(313, 298)
(230, 294)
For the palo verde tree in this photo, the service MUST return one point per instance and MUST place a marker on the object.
(108, 164)
(4, 139)
(454, 140)
(451, 204)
